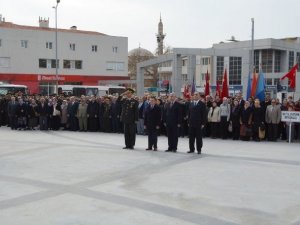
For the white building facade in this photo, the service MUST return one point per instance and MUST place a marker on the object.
(28, 53)
(275, 57)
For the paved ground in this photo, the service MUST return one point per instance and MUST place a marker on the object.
(72, 178)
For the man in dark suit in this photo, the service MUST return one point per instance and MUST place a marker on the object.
(12, 110)
(92, 114)
(71, 113)
(172, 121)
(129, 116)
(197, 120)
(43, 111)
(152, 122)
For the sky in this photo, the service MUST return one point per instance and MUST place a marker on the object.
(188, 23)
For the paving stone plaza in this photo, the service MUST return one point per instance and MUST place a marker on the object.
(74, 178)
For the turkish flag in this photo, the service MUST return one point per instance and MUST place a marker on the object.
(225, 91)
(291, 75)
(206, 83)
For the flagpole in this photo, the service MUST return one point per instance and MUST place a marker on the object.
(251, 67)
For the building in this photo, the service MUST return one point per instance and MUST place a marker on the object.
(274, 56)
(27, 56)
(136, 56)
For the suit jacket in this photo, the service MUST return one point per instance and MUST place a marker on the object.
(72, 109)
(82, 110)
(43, 110)
(197, 114)
(273, 115)
(173, 114)
(93, 109)
(152, 117)
(12, 108)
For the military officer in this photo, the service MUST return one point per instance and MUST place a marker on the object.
(129, 116)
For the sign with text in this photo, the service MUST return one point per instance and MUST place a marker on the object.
(290, 116)
(50, 78)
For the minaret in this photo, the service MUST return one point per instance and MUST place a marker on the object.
(160, 38)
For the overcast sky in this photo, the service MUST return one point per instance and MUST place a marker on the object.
(187, 23)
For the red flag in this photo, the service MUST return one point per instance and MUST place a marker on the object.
(206, 83)
(291, 75)
(218, 89)
(225, 91)
(186, 91)
(254, 85)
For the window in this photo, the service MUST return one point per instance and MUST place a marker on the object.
(72, 46)
(42, 63)
(184, 62)
(235, 70)
(203, 76)
(24, 43)
(94, 48)
(298, 59)
(291, 59)
(220, 67)
(115, 66)
(67, 64)
(49, 45)
(184, 78)
(268, 81)
(277, 63)
(256, 60)
(267, 60)
(205, 61)
(73, 64)
(0, 43)
(48, 63)
(276, 81)
(115, 49)
(78, 64)
(53, 63)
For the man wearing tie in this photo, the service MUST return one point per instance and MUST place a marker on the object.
(172, 120)
(152, 123)
(197, 120)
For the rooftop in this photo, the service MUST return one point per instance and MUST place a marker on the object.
(11, 25)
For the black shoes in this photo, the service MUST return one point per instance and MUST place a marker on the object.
(169, 150)
(148, 149)
(190, 151)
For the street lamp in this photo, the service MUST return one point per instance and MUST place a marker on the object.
(56, 60)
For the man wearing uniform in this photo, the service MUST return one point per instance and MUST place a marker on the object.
(129, 115)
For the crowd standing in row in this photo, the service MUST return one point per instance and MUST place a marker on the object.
(199, 116)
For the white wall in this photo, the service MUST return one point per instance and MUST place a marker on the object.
(26, 60)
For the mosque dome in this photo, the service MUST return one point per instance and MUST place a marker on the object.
(140, 52)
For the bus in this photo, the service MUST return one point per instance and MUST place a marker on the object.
(78, 90)
(13, 89)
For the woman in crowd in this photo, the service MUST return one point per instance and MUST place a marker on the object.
(64, 112)
(32, 115)
(257, 120)
(246, 121)
(225, 116)
(214, 118)
(56, 114)
(235, 120)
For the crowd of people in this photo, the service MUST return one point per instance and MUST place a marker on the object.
(199, 116)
